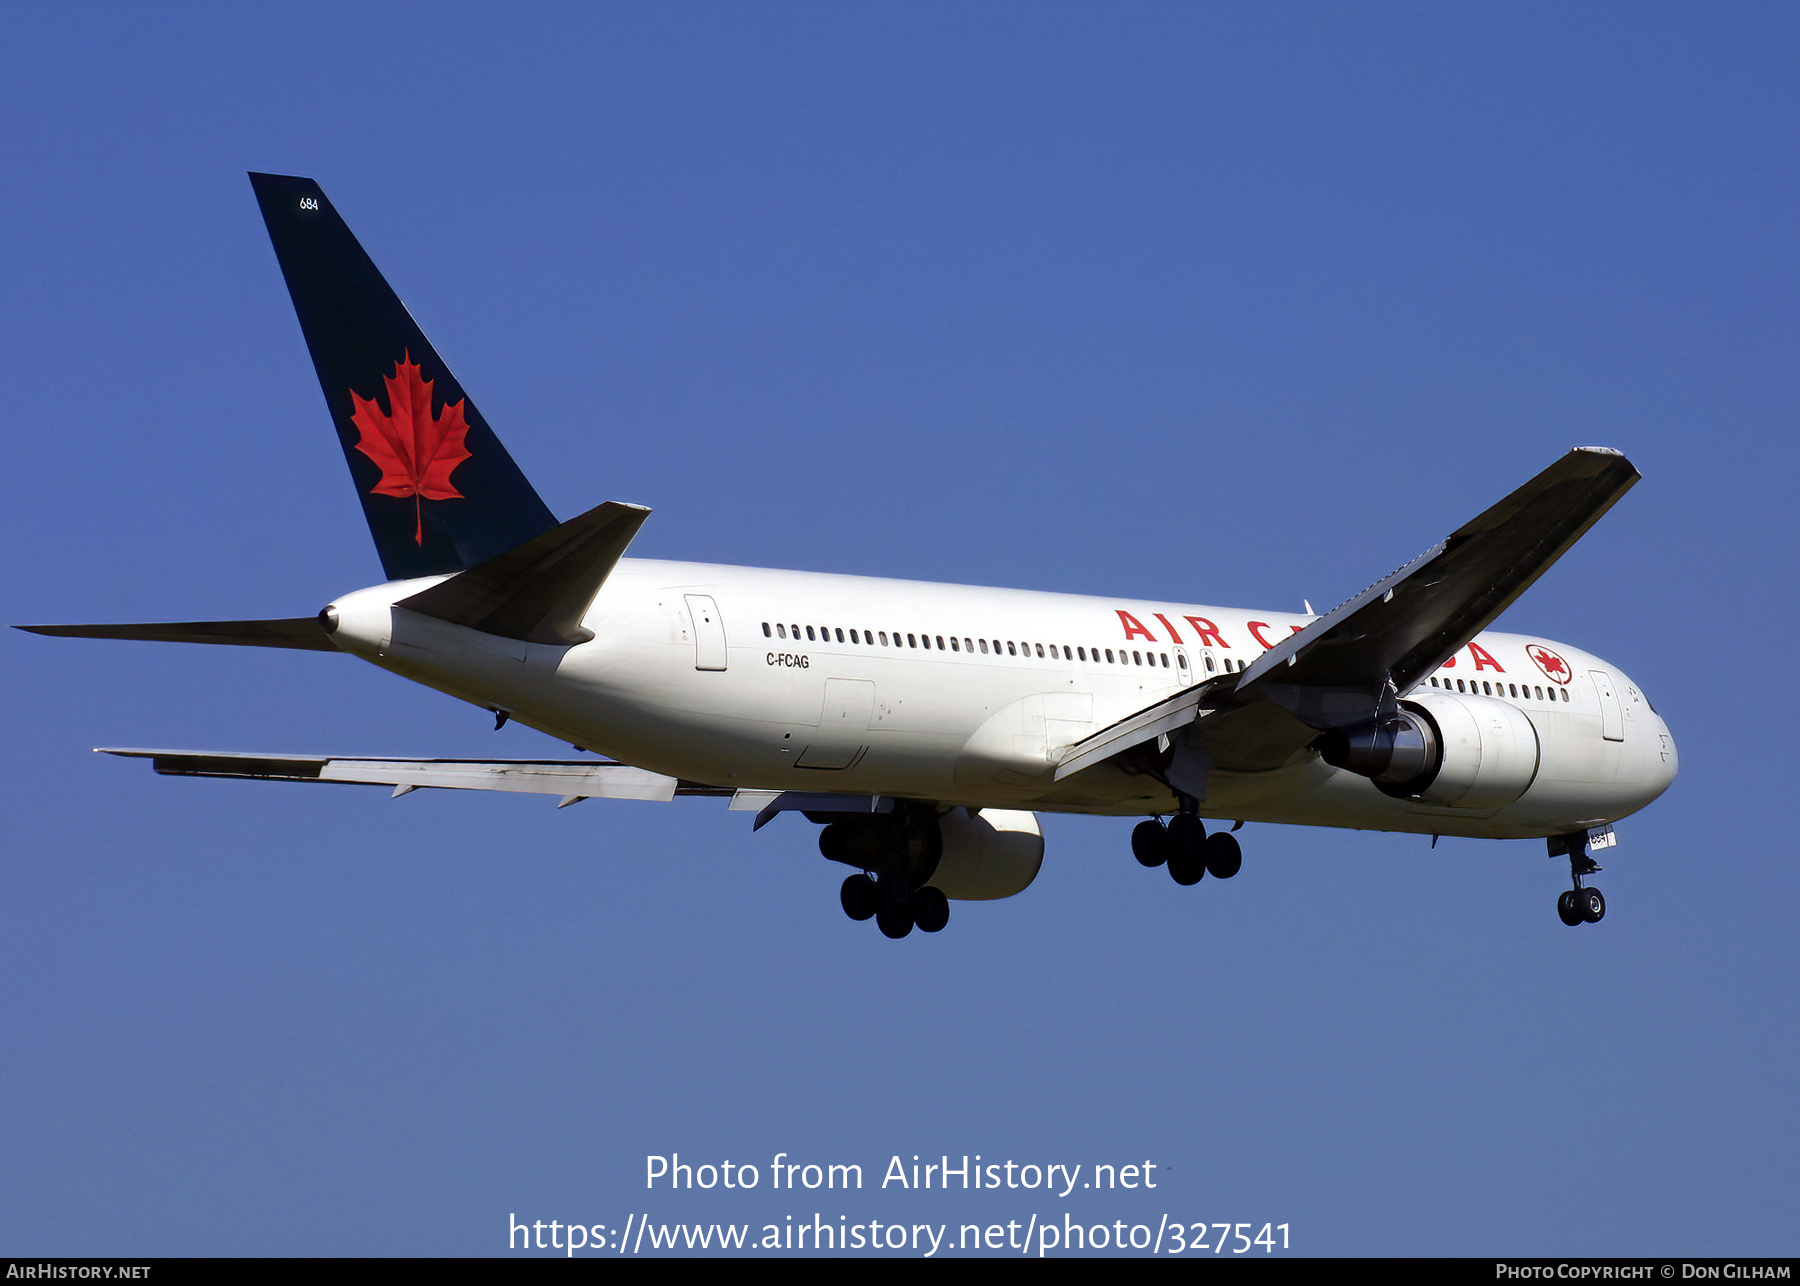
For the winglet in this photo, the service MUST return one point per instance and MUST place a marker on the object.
(540, 590)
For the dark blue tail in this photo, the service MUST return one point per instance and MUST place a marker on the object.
(440, 492)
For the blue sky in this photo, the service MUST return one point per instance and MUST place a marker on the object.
(1225, 304)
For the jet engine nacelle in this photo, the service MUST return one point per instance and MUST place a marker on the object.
(1465, 751)
(991, 854)
(968, 855)
(1488, 751)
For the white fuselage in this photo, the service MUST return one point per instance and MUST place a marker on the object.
(762, 679)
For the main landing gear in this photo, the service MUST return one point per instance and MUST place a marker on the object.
(1186, 849)
(896, 854)
(895, 911)
(1579, 905)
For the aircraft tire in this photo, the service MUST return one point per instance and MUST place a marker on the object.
(1566, 910)
(1187, 868)
(1186, 849)
(1224, 858)
(930, 909)
(1150, 843)
(858, 897)
(1592, 905)
(894, 921)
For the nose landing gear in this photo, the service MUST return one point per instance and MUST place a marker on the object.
(1578, 905)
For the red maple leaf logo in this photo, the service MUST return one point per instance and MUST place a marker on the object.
(416, 450)
(1553, 666)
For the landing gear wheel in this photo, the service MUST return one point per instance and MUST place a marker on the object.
(1150, 843)
(1187, 868)
(1223, 856)
(1566, 910)
(930, 909)
(858, 897)
(895, 921)
(1591, 904)
(1187, 849)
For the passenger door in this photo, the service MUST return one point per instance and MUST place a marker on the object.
(709, 632)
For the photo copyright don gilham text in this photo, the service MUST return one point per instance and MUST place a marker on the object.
(1025, 1231)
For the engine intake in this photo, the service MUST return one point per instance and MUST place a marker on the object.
(1465, 751)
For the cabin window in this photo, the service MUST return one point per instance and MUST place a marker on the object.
(1040, 649)
(1459, 685)
(1514, 687)
(883, 636)
(984, 647)
(1165, 660)
(968, 645)
(840, 635)
(1081, 652)
(1181, 660)
(1565, 693)
(940, 642)
(1011, 650)
(911, 641)
(1109, 656)
(953, 646)
(796, 632)
(767, 632)
(809, 634)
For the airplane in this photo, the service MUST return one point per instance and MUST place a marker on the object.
(924, 726)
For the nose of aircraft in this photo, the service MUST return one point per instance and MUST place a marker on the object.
(1664, 760)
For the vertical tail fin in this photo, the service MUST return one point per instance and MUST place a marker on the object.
(439, 491)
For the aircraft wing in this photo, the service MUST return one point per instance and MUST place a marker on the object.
(572, 779)
(1383, 641)
(1403, 627)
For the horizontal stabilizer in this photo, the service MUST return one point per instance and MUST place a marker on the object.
(538, 591)
(304, 632)
(577, 778)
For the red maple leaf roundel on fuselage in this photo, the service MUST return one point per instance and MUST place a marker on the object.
(1553, 666)
(416, 450)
